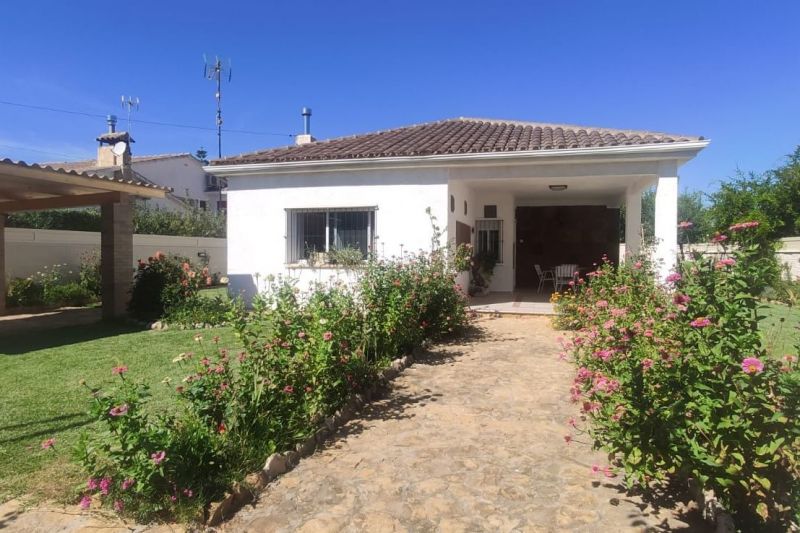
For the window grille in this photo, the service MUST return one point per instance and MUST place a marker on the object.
(322, 230)
(490, 238)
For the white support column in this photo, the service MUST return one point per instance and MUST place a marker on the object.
(666, 231)
(633, 221)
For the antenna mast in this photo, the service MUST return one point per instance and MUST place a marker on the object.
(216, 72)
(130, 103)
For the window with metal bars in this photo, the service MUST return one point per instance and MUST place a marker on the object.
(489, 239)
(322, 230)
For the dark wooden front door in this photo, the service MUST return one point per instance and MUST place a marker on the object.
(463, 233)
(555, 235)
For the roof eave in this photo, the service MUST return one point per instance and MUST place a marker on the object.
(680, 151)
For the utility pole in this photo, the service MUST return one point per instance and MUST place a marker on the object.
(216, 72)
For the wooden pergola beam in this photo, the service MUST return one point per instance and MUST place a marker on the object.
(55, 202)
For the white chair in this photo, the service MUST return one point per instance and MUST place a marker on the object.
(564, 274)
(545, 275)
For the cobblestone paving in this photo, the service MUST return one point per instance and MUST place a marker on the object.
(470, 438)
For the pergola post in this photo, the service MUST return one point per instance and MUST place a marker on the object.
(116, 255)
(2, 263)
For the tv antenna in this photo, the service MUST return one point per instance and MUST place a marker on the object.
(130, 103)
(216, 71)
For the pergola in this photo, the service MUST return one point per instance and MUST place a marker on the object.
(32, 187)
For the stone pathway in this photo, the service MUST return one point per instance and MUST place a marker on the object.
(470, 438)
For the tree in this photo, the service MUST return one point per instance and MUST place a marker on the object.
(690, 208)
(771, 198)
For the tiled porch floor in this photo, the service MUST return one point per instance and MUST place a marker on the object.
(520, 302)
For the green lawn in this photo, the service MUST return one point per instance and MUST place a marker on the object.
(41, 396)
(780, 328)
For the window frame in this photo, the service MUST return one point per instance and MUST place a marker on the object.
(500, 239)
(291, 235)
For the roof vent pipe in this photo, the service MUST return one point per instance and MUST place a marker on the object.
(111, 120)
(306, 121)
(305, 137)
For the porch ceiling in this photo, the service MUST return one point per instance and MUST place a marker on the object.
(599, 189)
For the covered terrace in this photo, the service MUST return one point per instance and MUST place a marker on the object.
(25, 187)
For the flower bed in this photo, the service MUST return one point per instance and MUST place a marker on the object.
(673, 380)
(306, 354)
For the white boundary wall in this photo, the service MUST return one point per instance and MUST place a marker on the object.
(788, 253)
(29, 250)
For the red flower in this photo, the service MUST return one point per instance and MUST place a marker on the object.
(48, 444)
(288, 389)
(221, 428)
(119, 370)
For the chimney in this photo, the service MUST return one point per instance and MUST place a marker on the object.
(305, 137)
(114, 149)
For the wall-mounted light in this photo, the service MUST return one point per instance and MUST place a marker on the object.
(558, 188)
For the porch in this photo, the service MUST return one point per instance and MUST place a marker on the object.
(531, 217)
(520, 302)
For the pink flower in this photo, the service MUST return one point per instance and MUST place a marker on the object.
(567, 438)
(188, 493)
(647, 363)
(719, 238)
(119, 410)
(128, 483)
(158, 457)
(637, 265)
(602, 304)
(595, 469)
(700, 322)
(743, 226)
(685, 224)
(86, 502)
(327, 335)
(608, 324)
(752, 365)
(722, 263)
(105, 485)
(571, 421)
(92, 484)
(301, 334)
(119, 506)
(288, 389)
(619, 312)
(674, 277)
(119, 370)
(48, 444)
(609, 472)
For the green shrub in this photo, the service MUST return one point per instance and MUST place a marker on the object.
(163, 282)
(90, 274)
(304, 355)
(674, 382)
(69, 294)
(24, 292)
(199, 311)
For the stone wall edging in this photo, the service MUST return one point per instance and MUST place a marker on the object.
(278, 464)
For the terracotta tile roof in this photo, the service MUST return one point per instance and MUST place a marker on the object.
(91, 164)
(111, 178)
(457, 136)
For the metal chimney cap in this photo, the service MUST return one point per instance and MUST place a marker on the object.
(306, 112)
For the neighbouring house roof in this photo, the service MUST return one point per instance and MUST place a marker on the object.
(457, 136)
(91, 164)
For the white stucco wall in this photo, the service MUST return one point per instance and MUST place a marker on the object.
(182, 174)
(29, 250)
(257, 216)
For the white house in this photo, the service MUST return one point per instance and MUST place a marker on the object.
(191, 186)
(530, 193)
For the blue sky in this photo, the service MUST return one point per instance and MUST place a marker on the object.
(727, 70)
